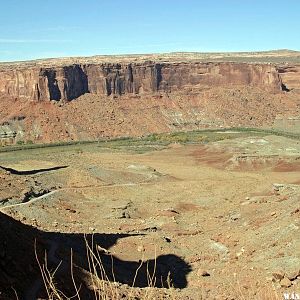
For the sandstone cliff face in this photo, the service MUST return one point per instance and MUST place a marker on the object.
(19, 83)
(290, 76)
(70, 82)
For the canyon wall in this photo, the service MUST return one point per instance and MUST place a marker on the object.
(70, 82)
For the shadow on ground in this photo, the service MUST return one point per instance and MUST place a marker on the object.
(20, 272)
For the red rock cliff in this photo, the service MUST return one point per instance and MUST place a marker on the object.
(69, 82)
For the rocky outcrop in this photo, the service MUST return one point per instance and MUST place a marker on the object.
(290, 76)
(70, 82)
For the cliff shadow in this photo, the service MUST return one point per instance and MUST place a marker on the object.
(23, 248)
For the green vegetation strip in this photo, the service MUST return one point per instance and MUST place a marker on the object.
(163, 139)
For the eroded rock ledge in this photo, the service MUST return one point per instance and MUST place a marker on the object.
(69, 82)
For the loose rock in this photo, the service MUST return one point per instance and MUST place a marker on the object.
(285, 282)
(278, 275)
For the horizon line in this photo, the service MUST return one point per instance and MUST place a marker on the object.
(62, 57)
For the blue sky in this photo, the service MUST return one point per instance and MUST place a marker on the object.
(53, 28)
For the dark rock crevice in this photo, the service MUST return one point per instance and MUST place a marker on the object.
(31, 194)
(76, 83)
(157, 76)
(284, 88)
(53, 88)
(31, 172)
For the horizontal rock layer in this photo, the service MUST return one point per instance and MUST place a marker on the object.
(70, 82)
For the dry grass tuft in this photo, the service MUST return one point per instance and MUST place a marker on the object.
(101, 285)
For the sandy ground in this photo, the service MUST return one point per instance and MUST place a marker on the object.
(229, 211)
